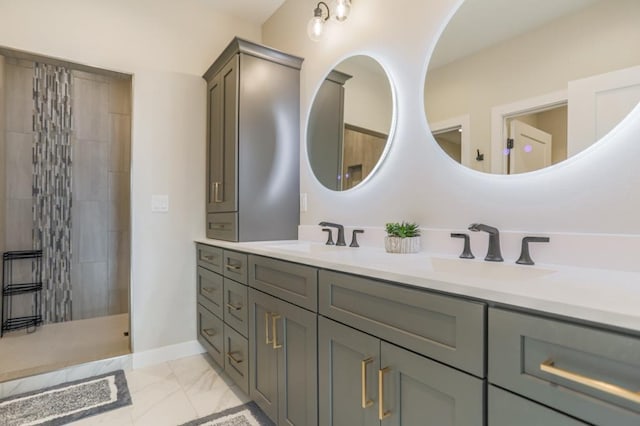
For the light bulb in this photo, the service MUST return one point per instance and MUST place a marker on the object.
(342, 9)
(315, 28)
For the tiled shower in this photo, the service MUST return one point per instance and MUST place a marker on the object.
(65, 144)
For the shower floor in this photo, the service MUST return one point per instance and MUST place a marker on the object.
(55, 346)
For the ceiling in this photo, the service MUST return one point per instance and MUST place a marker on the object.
(256, 11)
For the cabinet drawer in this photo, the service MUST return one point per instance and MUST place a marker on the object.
(235, 306)
(222, 226)
(210, 294)
(443, 328)
(507, 409)
(588, 373)
(236, 358)
(209, 257)
(235, 266)
(294, 283)
(210, 334)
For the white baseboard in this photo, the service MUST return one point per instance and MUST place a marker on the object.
(166, 353)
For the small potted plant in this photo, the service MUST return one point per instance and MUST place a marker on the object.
(402, 237)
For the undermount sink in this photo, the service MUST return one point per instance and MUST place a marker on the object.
(304, 247)
(488, 270)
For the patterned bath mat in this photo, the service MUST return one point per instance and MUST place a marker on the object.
(71, 401)
(244, 415)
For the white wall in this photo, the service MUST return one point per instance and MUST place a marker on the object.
(167, 45)
(595, 192)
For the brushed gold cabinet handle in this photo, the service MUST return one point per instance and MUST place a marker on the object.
(232, 358)
(266, 329)
(208, 257)
(232, 267)
(274, 329)
(232, 307)
(381, 413)
(208, 289)
(209, 332)
(549, 367)
(363, 364)
(217, 226)
(216, 192)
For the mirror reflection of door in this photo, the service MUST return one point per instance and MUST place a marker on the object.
(530, 150)
(450, 140)
(362, 149)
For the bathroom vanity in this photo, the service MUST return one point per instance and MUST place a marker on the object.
(342, 336)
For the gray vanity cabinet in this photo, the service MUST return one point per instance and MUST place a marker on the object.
(252, 187)
(591, 374)
(507, 409)
(283, 355)
(366, 381)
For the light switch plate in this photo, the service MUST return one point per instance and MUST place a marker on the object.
(160, 203)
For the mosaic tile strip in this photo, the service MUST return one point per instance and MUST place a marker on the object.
(52, 186)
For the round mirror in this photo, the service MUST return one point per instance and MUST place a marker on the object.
(517, 85)
(349, 123)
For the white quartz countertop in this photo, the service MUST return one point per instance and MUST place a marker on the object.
(605, 296)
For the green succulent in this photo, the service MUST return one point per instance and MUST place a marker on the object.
(403, 230)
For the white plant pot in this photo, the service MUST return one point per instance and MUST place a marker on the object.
(402, 245)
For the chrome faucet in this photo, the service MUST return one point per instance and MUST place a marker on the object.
(340, 229)
(493, 253)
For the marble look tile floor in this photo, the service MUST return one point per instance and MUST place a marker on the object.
(173, 393)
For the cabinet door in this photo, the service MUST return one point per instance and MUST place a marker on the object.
(347, 375)
(419, 391)
(507, 409)
(222, 144)
(295, 337)
(263, 371)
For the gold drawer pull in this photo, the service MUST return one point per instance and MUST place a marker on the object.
(209, 257)
(233, 307)
(232, 358)
(266, 329)
(365, 402)
(217, 226)
(209, 332)
(216, 192)
(381, 413)
(208, 289)
(549, 367)
(232, 267)
(274, 329)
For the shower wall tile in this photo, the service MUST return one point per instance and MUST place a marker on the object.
(18, 224)
(90, 171)
(91, 110)
(119, 201)
(90, 295)
(120, 96)
(18, 159)
(91, 222)
(2, 153)
(19, 95)
(119, 255)
(120, 141)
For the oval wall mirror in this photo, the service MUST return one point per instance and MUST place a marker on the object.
(518, 85)
(350, 122)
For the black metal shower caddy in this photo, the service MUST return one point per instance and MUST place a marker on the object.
(10, 289)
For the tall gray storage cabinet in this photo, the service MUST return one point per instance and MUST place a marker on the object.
(253, 145)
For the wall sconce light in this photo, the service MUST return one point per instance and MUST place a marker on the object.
(315, 28)
(341, 9)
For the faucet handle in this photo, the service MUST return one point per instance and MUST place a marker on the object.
(354, 240)
(329, 237)
(466, 252)
(525, 258)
